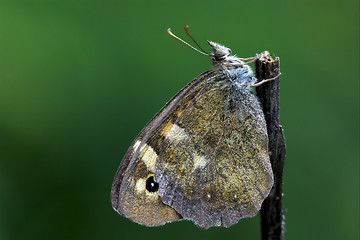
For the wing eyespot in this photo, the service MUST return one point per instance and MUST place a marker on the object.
(151, 185)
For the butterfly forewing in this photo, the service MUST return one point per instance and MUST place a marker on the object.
(129, 195)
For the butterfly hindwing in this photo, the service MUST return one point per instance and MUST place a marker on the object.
(212, 164)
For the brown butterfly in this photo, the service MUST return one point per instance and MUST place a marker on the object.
(203, 157)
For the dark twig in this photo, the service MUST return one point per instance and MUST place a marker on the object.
(272, 215)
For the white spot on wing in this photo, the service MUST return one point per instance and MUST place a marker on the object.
(199, 161)
(149, 157)
(176, 133)
(140, 185)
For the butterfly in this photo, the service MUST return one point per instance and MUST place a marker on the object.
(204, 156)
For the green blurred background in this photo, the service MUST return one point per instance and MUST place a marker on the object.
(79, 80)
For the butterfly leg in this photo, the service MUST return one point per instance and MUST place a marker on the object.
(265, 80)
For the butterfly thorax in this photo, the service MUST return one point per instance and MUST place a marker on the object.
(234, 67)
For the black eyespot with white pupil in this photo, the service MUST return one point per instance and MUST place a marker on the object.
(151, 185)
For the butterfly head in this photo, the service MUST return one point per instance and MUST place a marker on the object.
(220, 52)
(221, 55)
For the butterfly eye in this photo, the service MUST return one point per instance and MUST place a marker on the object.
(151, 185)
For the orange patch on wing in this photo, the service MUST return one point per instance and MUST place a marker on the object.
(172, 120)
(178, 113)
(167, 127)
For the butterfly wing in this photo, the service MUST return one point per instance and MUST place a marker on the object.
(213, 165)
(130, 195)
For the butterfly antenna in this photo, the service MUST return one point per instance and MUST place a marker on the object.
(173, 35)
(187, 32)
